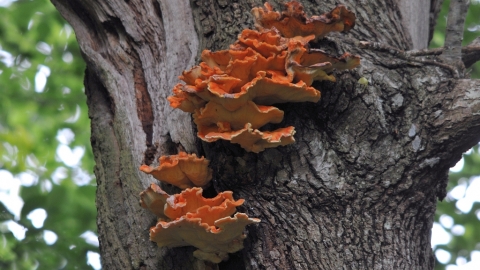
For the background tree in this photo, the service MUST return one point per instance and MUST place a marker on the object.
(19, 144)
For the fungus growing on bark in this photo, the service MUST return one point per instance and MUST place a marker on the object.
(189, 219)
(154, 199)
(182, 170)
(293, 21)
(257, 115)
(229, 90)
(250, 139)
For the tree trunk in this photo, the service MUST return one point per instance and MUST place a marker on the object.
(357, 190)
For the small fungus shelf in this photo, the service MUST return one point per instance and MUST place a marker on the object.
(189, 219)
(182, 170)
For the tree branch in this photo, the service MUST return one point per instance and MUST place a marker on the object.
(454, 35)
(405, 56)
(459, 120)
(470, 53)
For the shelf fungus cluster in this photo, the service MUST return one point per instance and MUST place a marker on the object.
(189, 219)
(182, 170)
(230, 92)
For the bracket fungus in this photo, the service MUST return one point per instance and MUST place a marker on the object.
(189, 219)
(182, 170)
(229, 91)
(293, 21)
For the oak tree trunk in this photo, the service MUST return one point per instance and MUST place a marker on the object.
(358, 189)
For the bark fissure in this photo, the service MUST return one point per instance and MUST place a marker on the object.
(144, 111)
(116, 34)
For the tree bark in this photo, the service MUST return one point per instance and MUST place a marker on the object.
(358, 189)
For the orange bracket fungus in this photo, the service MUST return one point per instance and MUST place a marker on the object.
(189, 219)
(230, 90)
(293, 21)
(182, 170)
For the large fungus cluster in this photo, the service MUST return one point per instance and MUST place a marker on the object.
(189, 219)
(230, 92)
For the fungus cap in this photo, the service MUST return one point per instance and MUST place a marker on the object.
(182, 170)
(213, 242)
(294, 22)
(189, 219)
(257, 115)
(154, 199)
(190, 201)
(252, 140)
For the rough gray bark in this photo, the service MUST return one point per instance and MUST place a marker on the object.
(357, 190)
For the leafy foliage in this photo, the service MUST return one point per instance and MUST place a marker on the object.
(44, 131)
(459, 213)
